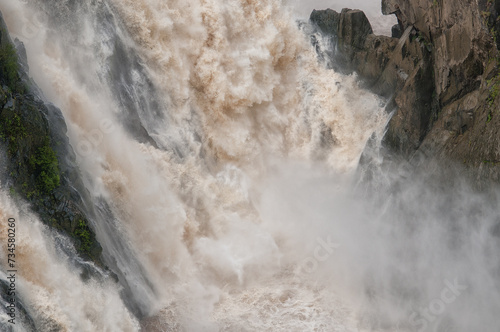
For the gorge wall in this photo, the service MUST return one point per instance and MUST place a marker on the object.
(37, 157)
(440, 67)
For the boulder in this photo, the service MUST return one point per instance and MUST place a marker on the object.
(353, 29)
(326, 20)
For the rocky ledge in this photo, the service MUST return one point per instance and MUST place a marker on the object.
(440, 69)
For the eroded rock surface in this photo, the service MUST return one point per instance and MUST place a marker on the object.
(441, 69)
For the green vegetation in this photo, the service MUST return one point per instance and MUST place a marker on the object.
(46, 167)
(423, 41)
(82, 233)
(491, 162)
(491, 21)
(494, 34)
(494, 90)
(494, 87)
(38, 158)
(12, 130)
(23, 128)
(9, 66)
(486, 15)
(32, 162)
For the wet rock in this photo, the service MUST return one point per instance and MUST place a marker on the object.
(397, 68)
(353, 29)
(37, 151)
(326, 20)
(463, 36)
(396, 31)
(441, 69)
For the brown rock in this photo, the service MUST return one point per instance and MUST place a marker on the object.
(442, 73)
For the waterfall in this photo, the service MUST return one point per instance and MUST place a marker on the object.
(222, 160)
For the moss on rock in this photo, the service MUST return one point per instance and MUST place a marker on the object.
(37, 150)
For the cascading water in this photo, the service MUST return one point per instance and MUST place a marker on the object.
(220, 157)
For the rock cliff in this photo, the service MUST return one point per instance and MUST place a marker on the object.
(38, 162)
(440, 68)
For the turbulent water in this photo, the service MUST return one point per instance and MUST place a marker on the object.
(222, 159)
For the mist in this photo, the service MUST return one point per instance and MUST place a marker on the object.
(411, 249)
(240, 185)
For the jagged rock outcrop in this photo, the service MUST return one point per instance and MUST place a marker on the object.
(400, 69)
(442, 73)
(465, 62)
(461, 44)
(38, 160)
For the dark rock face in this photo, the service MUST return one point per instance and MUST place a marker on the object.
(464, 40)
(348, 30)
(400, 69)
(40, 162)
(442, 72)
(327, 20)
(354, 27)
(396, 31)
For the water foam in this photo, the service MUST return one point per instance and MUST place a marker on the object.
(216, 216)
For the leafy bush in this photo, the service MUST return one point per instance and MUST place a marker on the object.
(46, 167)
(82, 233)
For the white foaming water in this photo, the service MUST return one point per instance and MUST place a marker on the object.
(50, 285)
(220, 155)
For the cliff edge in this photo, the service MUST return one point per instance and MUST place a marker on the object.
(441, 70)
